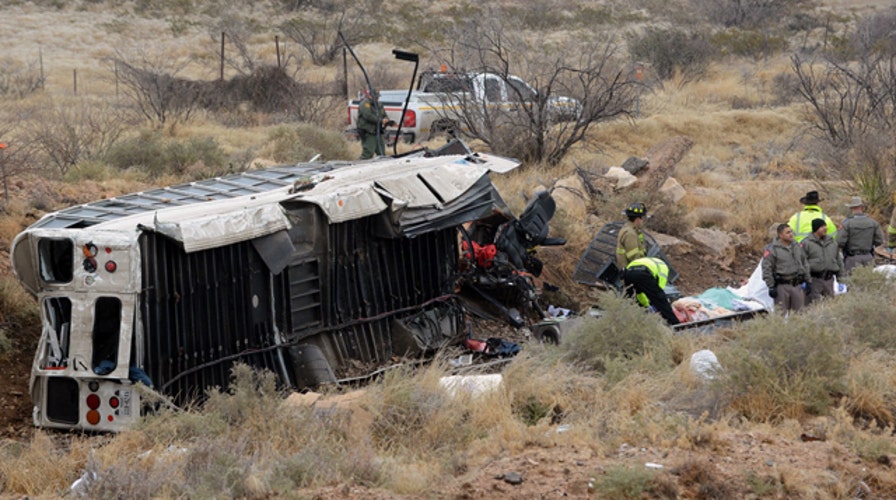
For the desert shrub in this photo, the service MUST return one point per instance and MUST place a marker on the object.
(145, 150)
(301, 143)
(748, 43)
(18, 79)
(158, 156)
(413, 414)
(869, 305)
(624, 339)
(781, 368)
(702, 476)
(762, 486)
(627, 482)
(870, 394)
(785, 88)
(18, 311)
(672, 50)
(89, 170)
(182, 154)
(544, 389)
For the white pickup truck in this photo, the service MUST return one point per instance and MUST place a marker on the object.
(433, 108)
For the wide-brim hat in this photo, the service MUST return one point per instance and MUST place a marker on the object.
(811, 198)
(855, 201)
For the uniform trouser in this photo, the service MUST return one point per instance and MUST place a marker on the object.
(642, 281)
(819, 288)
(790, 298)
(371, 145)
(852, 261)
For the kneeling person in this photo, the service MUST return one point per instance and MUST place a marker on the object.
(646, 277)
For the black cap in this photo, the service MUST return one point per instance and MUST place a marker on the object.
(817, 223)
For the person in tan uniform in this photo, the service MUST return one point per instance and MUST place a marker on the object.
(630, 243)
(784, 270)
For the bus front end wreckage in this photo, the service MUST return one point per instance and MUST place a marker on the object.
(310, 271)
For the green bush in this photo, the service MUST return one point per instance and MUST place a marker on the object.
(626, 482)
(158, 156)
(624, 339)
(672, 50)
(748, 43)
(89, 170)
(183, 154)
(301, 143)
(778, 368)
(869, 307)
(146, 150)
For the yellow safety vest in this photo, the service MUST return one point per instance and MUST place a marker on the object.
(658, 268)
(801, 222)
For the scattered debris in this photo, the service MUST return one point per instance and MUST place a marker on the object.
(705, 364)
(473, 385)
(511, 477)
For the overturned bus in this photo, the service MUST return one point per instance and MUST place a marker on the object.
(309, 271)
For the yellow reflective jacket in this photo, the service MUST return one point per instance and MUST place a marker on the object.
(657, 267)
(801, 222)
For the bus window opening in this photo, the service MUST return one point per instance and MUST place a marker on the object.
(106, 331)
(58, 311)
(56, 260)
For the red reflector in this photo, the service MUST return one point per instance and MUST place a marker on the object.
(93, 417)
(111, 266)
(108, 250)
(93, 401)
(110, 418)
(113, 402)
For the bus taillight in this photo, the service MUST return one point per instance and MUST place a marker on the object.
(93, 401)
(93, 417)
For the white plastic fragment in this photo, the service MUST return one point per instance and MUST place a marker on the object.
(705, 364)
(474, 385)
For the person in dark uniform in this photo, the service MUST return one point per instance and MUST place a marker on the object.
(645, 278)
(824, 261)
(372, 121)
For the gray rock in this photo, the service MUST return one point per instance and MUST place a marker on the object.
(513, 478)
(634, 165)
